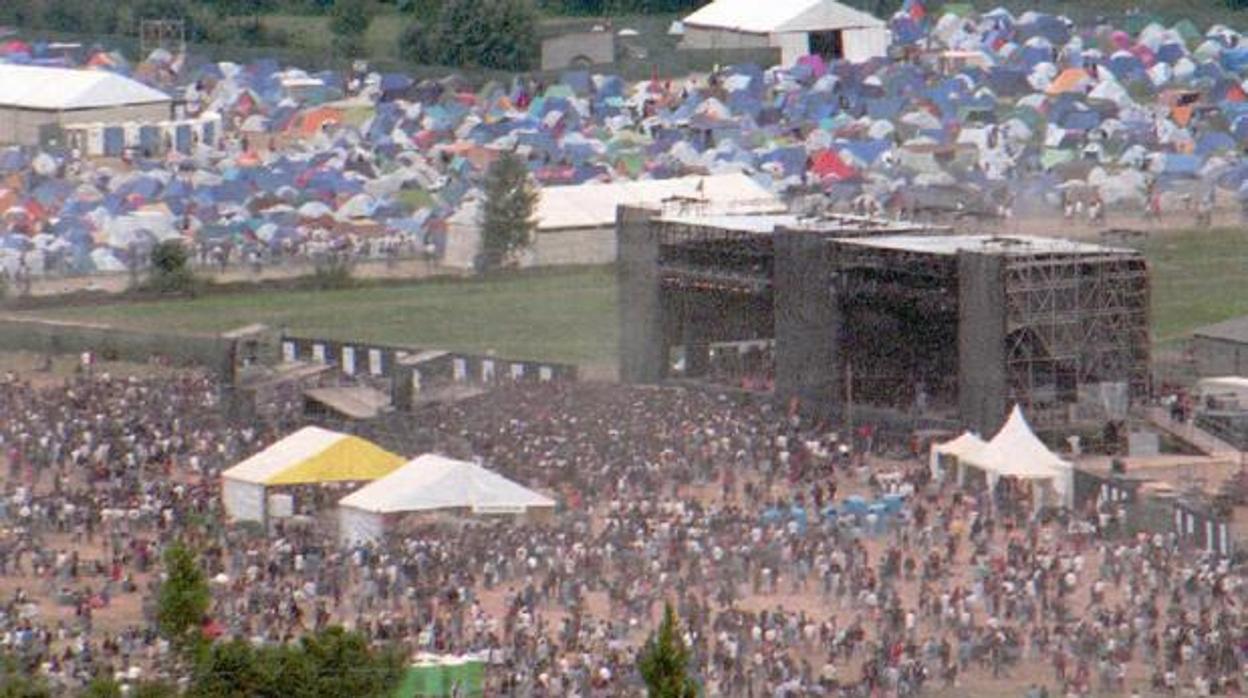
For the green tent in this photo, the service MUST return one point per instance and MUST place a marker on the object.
(958, 9)
(1186, 29)
(1134, 24)
(443, 676)
(1052, 157)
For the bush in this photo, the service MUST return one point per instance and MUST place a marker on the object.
(171, 271)
(332, 273)
(415, 44)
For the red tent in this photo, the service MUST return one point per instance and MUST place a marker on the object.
(15, 46)
(827, 164)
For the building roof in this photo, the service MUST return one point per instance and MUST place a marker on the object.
(765, 224)
(313, 455)
(1233, 330)
(432, 482)
(594, 205)
(38, 87)
(774, 16)
(1004, 245)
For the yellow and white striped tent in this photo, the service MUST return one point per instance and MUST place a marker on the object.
(309, 456)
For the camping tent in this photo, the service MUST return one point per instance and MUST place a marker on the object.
(1016, 452)
(309, 456)
(433, 483)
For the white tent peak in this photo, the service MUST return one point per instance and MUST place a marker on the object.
(432, 482)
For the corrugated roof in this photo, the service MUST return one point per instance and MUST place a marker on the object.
(1233, 330)
(593, 205)
(38, 87)
(772, 16)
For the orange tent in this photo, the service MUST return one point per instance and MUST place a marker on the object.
(314, 121)
(1069, 80)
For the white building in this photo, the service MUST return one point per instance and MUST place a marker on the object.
(796, 27)
(36, 101)
(576, 223)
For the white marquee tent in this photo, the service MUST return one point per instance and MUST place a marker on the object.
(433, 483)
(793, 26)
(1016, 452)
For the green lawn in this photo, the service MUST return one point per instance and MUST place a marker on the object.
(1199, 277)
(567, 316)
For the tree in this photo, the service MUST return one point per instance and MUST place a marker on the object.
(183, 599)
(664, 661)
(17, 680)
(497, 34)
(348, 20)
(416, 43)
(507, 222)
(171, 269)
(332, 662)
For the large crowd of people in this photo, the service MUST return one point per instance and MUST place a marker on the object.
(714, 504)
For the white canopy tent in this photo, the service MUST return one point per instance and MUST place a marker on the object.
(311, 455)
(433, 483)
(955, 451)
(1017, 452)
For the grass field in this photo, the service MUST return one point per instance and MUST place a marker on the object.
(567, 316)
(1199, 277)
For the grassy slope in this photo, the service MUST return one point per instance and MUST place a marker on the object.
(1199, 277)
(557, 316)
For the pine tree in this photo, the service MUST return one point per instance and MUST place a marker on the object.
(507, 222)
(183, 599)
(664, 661)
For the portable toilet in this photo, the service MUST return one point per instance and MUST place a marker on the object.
(113, 141)
(149, 139)
(182, 138)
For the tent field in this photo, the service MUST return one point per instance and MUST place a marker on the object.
(570, 315)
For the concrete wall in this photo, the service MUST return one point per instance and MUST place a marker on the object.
(579, 246)
(569, 49)
(808, 321)
(981, 342)
(1219, 357)
(22, 126)
(109, 343)
(643, 340)
(573, 247)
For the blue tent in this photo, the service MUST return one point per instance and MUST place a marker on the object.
(1180, 165)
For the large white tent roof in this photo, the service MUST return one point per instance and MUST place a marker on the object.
(594, 205)
(771, 16)
(964, 447)
(39, 87)
(313, 454)
(432, 482)
(1016, 451)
